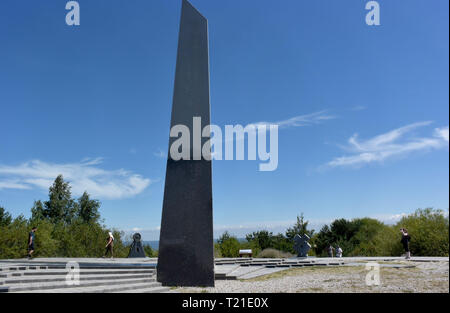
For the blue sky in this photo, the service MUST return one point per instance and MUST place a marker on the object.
(364, 109)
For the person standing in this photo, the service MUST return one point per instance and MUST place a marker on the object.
(405, 242)
(109, 245)
(330, 251)
(339, 252)
(31, 240)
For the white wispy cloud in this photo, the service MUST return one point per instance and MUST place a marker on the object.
(83, 176)
(301, 120)
(133, 151)
(358, 108)
(442, 132)
(390, 218)
(160, 154)
(8, 184)
(397, 142)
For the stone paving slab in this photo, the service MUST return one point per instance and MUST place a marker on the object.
(240, 271)
(258, 267)
(83, 272)
(39, 286)
(261, 272)
(129, 288)
(225, 268)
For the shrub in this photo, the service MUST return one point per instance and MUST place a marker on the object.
(217, 253)
(229, 246)
(429, 231)
(274, 254)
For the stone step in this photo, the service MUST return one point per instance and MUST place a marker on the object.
(146, 287)
(38, 286)
(221, 269)
(224, 276)
(242, 271)
(82, 266)
(93, 267)
(266, 264)
(98, 271)
(159, 289)
(62, 277)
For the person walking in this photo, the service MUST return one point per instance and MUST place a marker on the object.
(109, 245)
(339, 252)
(330, 251)
(405, 242)
(31, 239)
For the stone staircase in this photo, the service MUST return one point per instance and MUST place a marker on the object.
(93, 278)
(247, 268)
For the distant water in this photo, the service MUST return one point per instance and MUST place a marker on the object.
(153, 244)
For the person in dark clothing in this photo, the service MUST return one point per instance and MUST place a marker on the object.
(330, 251)
(31, 239)
(405, 242)
(109, 245)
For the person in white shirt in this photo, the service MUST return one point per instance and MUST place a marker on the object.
(339, 252)
(109, 245)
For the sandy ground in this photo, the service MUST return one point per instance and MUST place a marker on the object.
(423, 278)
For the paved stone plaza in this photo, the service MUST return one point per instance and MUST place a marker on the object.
(397, 275)
(420, 274)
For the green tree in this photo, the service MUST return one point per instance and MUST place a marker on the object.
(429, 231)
(149, 252)
(344, 230)
(300, 228)
(5, 217)
(37, 211)
(280, 242)
(368, 241)
(88, 208)
(229, 246)
(263, 238)
(60, 207)
(13, 239)
(322, 240)
(65, 228)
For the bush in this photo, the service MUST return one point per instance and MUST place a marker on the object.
(149, 252)
(13, 239)
(270, 253)
(64, 228)
(429, 231)
(229, 246)
(263, 239)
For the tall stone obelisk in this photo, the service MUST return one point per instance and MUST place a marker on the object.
(186, 256)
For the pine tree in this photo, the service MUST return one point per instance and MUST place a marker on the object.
(60, 207)
(38, 211)
(5, 217)
(88, 209)
(300, 228)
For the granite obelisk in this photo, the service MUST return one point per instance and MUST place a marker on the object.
(186, 256)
